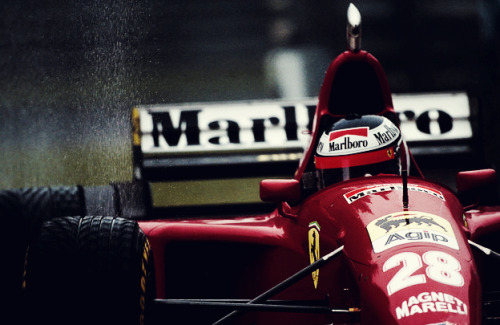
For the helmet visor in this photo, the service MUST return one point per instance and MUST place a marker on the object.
(329, 176)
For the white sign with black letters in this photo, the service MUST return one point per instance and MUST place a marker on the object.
(277, 125)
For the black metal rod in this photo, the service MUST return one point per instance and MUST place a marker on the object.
(252, 307)
(485, 250)
(286, 283)
(322, 303)
(404, 175)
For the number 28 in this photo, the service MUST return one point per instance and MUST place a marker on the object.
(441, 267)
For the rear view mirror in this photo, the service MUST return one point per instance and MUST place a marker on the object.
(280, 190)
(477, 186)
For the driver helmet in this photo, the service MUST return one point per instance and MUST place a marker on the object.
(357, 146)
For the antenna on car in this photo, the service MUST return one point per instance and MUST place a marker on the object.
(404, 156)
(353, 28)
(404, 175)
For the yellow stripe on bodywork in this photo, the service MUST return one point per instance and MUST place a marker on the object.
(136, 127)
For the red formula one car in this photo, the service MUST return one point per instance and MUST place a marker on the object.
(356, 236)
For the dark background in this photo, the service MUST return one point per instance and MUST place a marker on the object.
(70, 71)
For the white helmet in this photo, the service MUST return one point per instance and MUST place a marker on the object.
(356, 146)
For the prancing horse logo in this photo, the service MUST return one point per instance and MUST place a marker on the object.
(313, 235)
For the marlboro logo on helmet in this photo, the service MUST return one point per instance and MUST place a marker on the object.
(357, 140)
(355, 147)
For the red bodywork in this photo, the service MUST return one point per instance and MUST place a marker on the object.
(399, 264)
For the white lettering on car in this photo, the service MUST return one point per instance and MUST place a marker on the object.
(441, 267)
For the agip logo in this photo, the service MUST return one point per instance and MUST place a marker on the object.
(410, 227)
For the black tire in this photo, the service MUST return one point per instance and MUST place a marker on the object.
(91, 270)
(21, 213)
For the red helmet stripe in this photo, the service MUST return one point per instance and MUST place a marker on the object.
(363, 131)
(359, 159)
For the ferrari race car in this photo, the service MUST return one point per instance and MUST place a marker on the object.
(355, 235)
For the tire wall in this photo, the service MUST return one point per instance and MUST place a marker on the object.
(65, 267)
(22, 211)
